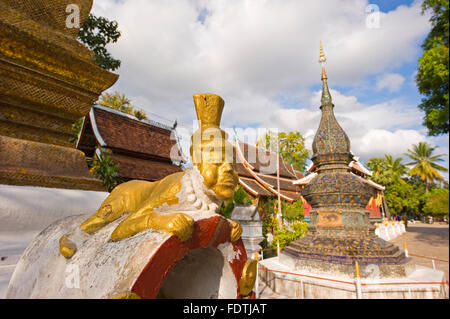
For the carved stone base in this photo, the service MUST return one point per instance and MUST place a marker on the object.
(38, 164)
(367, 270)
(346, 247)
(308, 282)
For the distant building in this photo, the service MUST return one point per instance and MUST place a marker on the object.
(257, 173)
(377, 204)
(142, 149)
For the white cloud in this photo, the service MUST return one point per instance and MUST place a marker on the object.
(260, 47)
(391, 81)
(259, 54)
(374, 130)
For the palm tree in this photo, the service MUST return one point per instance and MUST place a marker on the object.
(386, 170)
(394, 168)
(116, 101)
(424, 163)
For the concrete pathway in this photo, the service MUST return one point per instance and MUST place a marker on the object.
(429, 240)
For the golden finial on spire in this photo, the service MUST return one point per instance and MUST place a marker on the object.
(322, 60)
(326, 97)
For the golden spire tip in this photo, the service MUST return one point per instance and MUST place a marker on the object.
(322, 58)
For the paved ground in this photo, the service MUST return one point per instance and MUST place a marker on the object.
(431, 240)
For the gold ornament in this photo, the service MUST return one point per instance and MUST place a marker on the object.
(248, 277)
(127, 295)
(236, 231)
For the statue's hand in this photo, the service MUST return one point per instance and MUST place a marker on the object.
(236, 231)
(181, 225)
(178, 224)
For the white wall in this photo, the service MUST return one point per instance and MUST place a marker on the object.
(24, 208)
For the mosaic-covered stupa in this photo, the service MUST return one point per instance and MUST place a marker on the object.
(340, 232)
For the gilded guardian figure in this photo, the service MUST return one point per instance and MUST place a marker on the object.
(162, 204)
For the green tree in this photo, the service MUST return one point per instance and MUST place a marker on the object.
(121, 103)
(293, 225)
(437, 202)
(240, 197)
(115, 101)
(403, 198)
(292, 147)
(432, 74)
(386, 170)
(76, 129)
(96, 33)
(104, 168)
(424, 162)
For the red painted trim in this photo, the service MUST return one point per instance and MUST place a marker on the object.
(208, 232)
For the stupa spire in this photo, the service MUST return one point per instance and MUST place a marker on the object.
(326, 96)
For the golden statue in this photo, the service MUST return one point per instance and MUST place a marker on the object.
(160, 205)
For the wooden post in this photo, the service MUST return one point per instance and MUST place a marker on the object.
(278, 249)
(358, 281)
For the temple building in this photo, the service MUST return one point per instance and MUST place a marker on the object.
(258, 176)
(257, 173)
(377, 204)
(143, 149)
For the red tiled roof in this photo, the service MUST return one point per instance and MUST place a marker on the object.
(257, 172)
(264, 161)
(127, 134)
(299, 174)
(294, 195)
(253, 187)
(136, 168)
(285, 184)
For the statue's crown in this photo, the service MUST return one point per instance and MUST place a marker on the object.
(209, 109)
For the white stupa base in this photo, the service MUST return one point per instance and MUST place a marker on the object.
(341, 287)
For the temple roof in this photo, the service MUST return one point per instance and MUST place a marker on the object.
(136, 168)
(124, 133)
(257, 173)
(356, 167)
(145, 150)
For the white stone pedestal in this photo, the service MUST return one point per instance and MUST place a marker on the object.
(248, 217)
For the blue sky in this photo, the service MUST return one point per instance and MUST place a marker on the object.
(261, 57)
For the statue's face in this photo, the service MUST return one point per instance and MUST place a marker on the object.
(219, 174)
